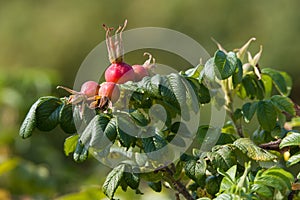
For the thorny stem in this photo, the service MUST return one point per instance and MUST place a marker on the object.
(230, 109)
(177, 184)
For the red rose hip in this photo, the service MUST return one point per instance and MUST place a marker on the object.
(110, 90)
(119, 73)
(139, 72)
(90, 88)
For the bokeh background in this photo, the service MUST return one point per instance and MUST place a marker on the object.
(43, 43)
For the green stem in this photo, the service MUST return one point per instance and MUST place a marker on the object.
(230, 108)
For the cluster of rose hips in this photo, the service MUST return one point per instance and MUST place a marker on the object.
(104, 94)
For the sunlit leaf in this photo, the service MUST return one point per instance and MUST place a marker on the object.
(222, 157)
(292, 139)
(252, 151)
(294, 159)
(70, 144)
(268, 85)
(278, 80)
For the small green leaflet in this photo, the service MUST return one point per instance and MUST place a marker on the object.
(226, 64)
(70, 144)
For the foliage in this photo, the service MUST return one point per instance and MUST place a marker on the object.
(247, 165)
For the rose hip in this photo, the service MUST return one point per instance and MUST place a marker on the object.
(139, 72)
(90, 88)
(118, 71)
(146, 69)
(110, 90)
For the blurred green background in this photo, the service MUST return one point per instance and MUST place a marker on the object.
(42, 44)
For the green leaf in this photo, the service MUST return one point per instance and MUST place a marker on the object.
(203, 94)
(266, 115)
(294, 159)
(267, 81)
(284, 104)
(295, 122)
(249, 110)
(34, 117)
(277, 178)
(113, 180)
(209, 70)
(177, 86)
(262, 190)
(226, 64)
(93, 134)
(29, 122)
(229, 178)
(81, 152)
(278, 80)
(194, 72)
(195, 169)
(252, 151)
(250, 85)
(288, 81)
(222, 157)
(70, 144)
(47, 113)
(292, 139)
(139, 117)
(111, 129)
(132, 180)
(152, 176)
(152, 144)
(156, 186)
(125, 129)
(237, 77)
(228, 197)
(66, 119)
